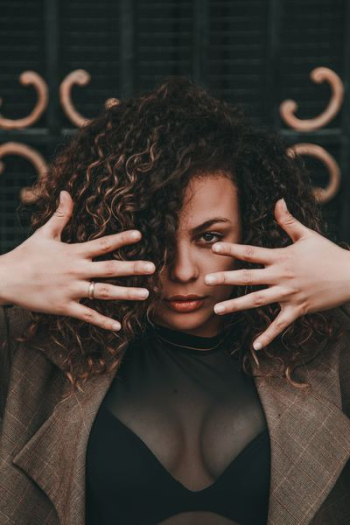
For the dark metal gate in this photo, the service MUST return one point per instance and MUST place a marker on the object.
(80, 54)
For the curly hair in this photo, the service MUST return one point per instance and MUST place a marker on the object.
(128, 168)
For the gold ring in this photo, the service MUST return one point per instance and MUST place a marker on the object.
(91, 290)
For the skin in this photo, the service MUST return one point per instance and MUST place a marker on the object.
(205, 198)
(57, 275)
(310, 275)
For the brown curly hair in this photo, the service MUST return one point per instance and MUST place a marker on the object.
(128, 168)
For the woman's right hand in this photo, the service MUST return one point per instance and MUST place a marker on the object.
(44, 274)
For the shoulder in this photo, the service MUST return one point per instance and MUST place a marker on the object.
(341, 351)
(13, 321)
(344, 357)
(341, 315)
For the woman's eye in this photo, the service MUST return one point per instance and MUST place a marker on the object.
(211, 237)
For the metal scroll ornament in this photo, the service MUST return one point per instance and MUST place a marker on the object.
(28, 78)
(27, 195)
(79, 77)
(313, 150)
(288, 109)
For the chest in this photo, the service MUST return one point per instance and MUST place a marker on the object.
(193, 414)
(44, 450)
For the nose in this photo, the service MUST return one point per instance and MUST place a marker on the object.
(184, 267)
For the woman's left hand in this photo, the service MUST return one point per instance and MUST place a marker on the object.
(310, 275)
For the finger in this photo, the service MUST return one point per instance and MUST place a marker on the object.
(111, 292)
(243, 277)
(245, 252)
(251, 300)
(117, 269)
(108, 243)
(84, 313)
(282, 321)
(55, 225)
(294, 228)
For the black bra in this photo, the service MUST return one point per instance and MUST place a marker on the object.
(143, 491)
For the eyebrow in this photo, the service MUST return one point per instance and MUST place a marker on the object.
(207, 224)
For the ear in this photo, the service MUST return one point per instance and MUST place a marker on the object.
(290, 224)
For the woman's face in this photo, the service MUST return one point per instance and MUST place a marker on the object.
(210, 213)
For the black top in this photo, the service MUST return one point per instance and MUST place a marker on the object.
(180, 438)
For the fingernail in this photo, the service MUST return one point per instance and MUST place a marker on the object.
(217, 247)
(142, 294)
(257, 345)
(219, 309)
(284, 205)
(116, 326)
(149, 267)
(210, 279)
(135, 234)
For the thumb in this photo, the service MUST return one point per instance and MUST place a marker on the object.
(55, 225)
(294, 228)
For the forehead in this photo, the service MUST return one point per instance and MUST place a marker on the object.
(208, 196)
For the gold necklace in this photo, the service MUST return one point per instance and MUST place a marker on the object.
(189, 347)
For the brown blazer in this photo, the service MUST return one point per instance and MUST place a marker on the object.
(44, 436)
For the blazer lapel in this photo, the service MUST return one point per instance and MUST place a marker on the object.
(54, 457)
(310, 439)
(309, 433)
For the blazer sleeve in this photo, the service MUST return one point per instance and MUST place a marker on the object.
(13, 321)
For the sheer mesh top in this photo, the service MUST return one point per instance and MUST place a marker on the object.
(180, 438)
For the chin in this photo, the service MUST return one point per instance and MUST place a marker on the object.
(196, 321)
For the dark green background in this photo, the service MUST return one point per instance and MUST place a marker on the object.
(256, 52)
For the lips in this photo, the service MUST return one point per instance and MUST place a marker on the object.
(188, 297)
(185, 303)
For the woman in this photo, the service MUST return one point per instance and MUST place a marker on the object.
(129, 396)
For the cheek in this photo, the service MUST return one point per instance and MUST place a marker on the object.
(215, 263)
(225, 264)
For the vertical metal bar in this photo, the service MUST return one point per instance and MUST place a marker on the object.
(127, 47)
(52, 66)
(273, 57)
(345, 136)
(200, 41)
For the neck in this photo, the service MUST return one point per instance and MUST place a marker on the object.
(203, 331)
